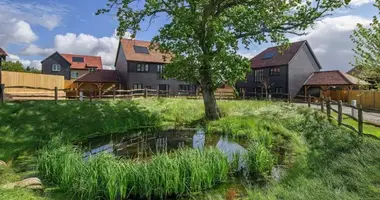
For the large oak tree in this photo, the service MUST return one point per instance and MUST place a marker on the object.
(203, 35)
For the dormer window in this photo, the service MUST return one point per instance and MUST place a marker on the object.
(91, 69)
(141, 49)
(78, 59)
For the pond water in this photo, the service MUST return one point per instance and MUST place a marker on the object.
(147, 144)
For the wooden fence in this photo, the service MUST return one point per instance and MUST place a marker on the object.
(60, 94)
(367, 98)
(19, 84)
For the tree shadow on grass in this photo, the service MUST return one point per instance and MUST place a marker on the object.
(26, 126)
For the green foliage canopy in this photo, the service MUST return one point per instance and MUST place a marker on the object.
(367, 50)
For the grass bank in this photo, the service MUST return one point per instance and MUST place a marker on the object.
(321, 160)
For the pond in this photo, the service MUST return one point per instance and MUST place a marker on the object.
(142, 145)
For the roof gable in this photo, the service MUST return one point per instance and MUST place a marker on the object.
(2, 52)
(88, 61)
(283, 58)
(153, 56)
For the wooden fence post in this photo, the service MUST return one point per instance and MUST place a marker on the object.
(145, 93)
(56, 94)
(2, 95)
(360, 119)
(340, 115)
(309, 101)
(328, 107)
(289, 97)
(114, 93)
(322, 104)
(243, 93)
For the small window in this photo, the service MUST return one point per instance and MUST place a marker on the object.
(184, 87)
(142, 67)
(91, 69)
(160, 68)
(137, 86)
(74, 74)
(56, 68)
(163, 87)
(275, 71)
(278, 90)
(259, 75)
(140, 49)
(78, 59)
(269, 55)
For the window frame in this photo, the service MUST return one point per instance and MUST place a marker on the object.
(186, 88)
(258, 75)
(71, 74)
(275, 71)
(137, 86)
(142, 67)
(280, 89)
(55, 67)
(91, 69)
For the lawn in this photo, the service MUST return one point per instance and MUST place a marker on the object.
(320, 159)
(367, 128)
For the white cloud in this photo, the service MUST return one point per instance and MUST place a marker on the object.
(15, 31)
(48, 15)
(360, 2)
(35, 50)
(330, 41)
(85, 44)
(26, 63)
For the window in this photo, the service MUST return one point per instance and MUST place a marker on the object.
(140, 49)
(77, 59)
(142, 67)
(269, 55)
(74, 74)
(91, 69)
(137, 86)
(184, 87)
(148, 87)
(163, 87)
(275, 71)
(278, 90)
(259, 75)
(56, 68)
(160, 68)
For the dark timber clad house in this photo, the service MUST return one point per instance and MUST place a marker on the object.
(140, 67)
(284, 72)
(70, 66)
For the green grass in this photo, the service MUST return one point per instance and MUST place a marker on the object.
(367, 128)
(105, 176)
(322, 160)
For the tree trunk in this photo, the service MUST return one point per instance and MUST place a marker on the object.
(211, 108)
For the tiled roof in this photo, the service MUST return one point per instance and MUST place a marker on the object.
(334, 77)
(2, 52)
(100, 76)
(154, 55)
(89, 61)
(280, 58)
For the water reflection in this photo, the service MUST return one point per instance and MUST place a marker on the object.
(145, 145)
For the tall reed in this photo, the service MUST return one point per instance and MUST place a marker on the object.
(106, 176)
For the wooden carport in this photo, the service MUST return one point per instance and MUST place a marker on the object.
(325, 80)
(102, 80)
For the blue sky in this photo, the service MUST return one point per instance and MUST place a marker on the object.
(33, 29)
